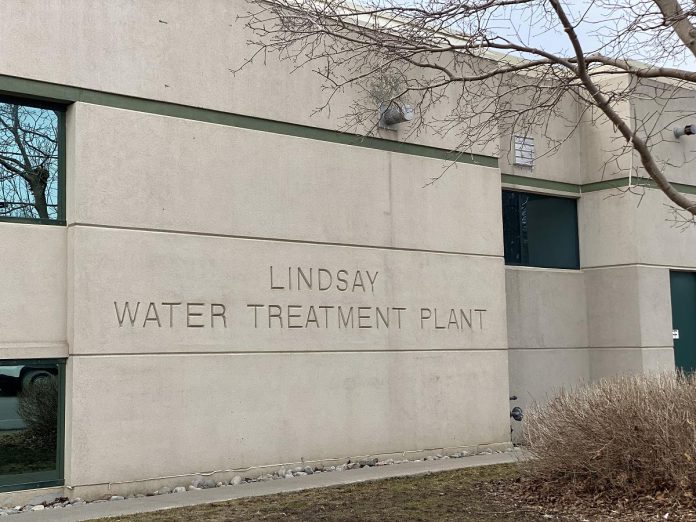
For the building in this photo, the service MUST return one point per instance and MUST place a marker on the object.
(222, 282)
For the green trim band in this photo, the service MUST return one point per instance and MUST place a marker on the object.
(640, 182)
(67, 94)
(572, 188)
(548, 184)
(604, 185)
(33, 221)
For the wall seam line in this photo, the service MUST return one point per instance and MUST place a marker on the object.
(281, 240)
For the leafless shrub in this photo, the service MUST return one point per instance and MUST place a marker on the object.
(624, 438)
(38, 408)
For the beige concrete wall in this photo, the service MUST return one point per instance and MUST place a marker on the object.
(618, 228)
(546, 308)
(603, 153)
(152, 416)
(568, 327)
(630, 320)
(629, 306)
(607, 228)
(653, 109)
(558, 149)
(657, 109)
(157, 268)
(536, 375)
(162, 50)
(665, 237)
(32, 291)
(165, 210)
(630, 238)
(609, 362)
(158, 172)
(547, 334)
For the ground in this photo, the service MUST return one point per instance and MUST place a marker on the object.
(440, 496)
(484, 494)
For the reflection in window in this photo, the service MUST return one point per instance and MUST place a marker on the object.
(29, 161)
(540, 230)
(30, 411)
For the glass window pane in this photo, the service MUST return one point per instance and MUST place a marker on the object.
(552, 233)
(29, 161)
(29, 421)
(540, 230)
(512, 234)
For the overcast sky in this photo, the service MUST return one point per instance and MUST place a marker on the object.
(600, 21)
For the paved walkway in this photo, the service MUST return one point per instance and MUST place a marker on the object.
(255, 489)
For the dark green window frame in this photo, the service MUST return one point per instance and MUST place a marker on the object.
(60, 109)
(540, 230)
(41, 479)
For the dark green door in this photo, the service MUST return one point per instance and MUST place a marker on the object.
(683, 286)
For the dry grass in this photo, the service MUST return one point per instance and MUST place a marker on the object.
(461, 496)
(631, 437)
(484, 494)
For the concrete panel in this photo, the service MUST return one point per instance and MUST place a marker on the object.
(629, 306)
(655, 306)
(166, 173)
(613, 306)
(545, 308)
(153, 416)
(657, 109)
(665, 238)
(33, 350)
(633, 228)
(459, 212)
(603, 155)
(658, 359)
(33, 289)
(248, 295)
(607, 228)
(536, 375)
(608, 362)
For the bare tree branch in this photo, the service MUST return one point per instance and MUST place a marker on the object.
(478, 71)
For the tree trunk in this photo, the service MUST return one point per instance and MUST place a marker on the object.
(38, 181)
(40, 201)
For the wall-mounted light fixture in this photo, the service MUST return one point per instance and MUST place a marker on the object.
(687, 130)
(393, 113)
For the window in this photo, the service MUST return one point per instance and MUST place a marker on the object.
(31, 423)
(540, 230)
(32, 157)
